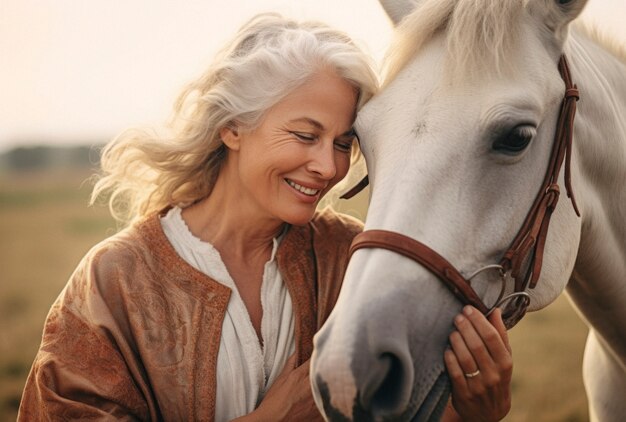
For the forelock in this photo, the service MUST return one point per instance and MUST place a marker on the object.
(480, 34)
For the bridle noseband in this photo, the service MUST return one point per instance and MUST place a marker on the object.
(522, 261)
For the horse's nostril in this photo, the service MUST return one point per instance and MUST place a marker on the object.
(388, 394)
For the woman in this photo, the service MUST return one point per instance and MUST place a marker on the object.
(204, 308)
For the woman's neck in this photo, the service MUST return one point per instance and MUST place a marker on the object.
(242, 235)
(230, 225)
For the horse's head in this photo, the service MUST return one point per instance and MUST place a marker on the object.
(457, 145)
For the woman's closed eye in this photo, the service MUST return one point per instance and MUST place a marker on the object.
(344, 142)
(344, 145)
(304, 136)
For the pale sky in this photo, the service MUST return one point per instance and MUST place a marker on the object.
(74, 71)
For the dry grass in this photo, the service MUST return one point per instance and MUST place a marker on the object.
(46, 227)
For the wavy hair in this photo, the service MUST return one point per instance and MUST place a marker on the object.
(143, 171)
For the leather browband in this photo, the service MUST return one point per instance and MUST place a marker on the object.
(523, 259)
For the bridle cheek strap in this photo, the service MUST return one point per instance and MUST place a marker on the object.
(524, 258)
(530, 240)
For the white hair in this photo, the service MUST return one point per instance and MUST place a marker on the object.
(269, 57)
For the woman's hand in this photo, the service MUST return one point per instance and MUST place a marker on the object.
(290, 397)
(480, 366)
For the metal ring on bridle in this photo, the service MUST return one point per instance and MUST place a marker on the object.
(525, 295)
(502, 279)
(487, 267)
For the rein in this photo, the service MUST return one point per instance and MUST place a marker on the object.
(523, 259)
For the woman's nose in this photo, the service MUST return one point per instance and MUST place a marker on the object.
(322, 160)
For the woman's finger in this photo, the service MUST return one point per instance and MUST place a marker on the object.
(455, 372)
(473, 340)
(290, 364)
(465, 357)
(491, 346)
(496, 320)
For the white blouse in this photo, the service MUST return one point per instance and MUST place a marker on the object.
(245, 369)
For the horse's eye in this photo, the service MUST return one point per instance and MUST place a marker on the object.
(515, 140)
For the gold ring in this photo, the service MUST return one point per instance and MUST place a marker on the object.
(473, 374)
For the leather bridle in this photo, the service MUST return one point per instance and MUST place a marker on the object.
(523, 259)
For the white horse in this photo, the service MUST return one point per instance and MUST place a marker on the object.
(457, 144)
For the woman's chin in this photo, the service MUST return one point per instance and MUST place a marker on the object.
(299, 218)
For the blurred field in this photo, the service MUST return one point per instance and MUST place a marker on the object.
(46, 227)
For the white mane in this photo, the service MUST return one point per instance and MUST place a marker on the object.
(479, 32)
(600, 37)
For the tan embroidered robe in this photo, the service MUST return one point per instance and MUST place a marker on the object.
(135, 333)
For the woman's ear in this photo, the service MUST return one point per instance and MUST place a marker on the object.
(231, 137)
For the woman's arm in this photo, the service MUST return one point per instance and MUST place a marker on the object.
(480, 366)
(82, 370)
(289, 399)
(79, 375)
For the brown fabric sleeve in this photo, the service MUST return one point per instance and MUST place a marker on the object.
(79, 375)
(82, 370)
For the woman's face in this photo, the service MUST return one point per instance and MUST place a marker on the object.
(300, 150)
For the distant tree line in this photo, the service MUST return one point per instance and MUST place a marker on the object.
(50, 157)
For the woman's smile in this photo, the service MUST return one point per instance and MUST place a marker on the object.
(304, 193)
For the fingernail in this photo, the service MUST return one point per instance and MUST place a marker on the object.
(458, 319)
(467, 310)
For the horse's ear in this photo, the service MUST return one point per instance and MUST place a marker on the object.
(397, 9)
(560, 13)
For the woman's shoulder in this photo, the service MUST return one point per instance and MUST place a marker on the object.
(330, 223)
(328, 233)
(135, 258)
(133, 244)
(140, 258)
